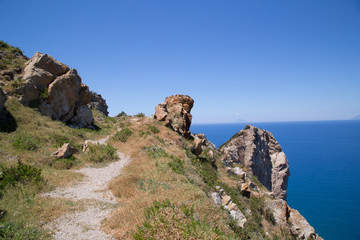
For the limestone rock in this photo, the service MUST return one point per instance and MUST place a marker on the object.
(198, 143)
(239, 217)
(216, 197)
(258, 150)
(56, 90)
(99, 103)
(280, 210)
(175, 111)
(83, 117)
(62, 97)
(300, 228)
(2, 100)
(65, 151)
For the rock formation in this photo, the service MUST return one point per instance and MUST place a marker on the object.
(175, 111)
(2, 100)
(98, 103)
(56, 90)
(258, 150)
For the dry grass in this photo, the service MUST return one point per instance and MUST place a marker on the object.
(146, 179)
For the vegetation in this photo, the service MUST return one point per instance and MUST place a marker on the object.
(101, 153)
(123, 134)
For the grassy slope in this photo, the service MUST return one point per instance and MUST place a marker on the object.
(32, 142)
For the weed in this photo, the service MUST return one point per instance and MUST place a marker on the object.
(44, 94)
(177, 165)
(123, 134)
(155, 152)
(165, 220)
(153, 129)
(101, 153)
(21, 173)
(140, 115)
(26, 142)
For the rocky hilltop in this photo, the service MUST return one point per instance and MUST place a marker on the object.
(178, 177)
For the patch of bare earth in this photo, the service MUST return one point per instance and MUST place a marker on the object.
(93, 188)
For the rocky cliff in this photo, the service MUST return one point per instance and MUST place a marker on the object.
(175, 111)
(258, 150)
(99, 103)
(56, 90)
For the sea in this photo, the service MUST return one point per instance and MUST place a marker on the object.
(324, 159)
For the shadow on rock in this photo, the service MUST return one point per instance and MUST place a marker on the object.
(7, 122)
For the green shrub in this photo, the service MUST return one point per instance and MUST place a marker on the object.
(155, 152)
(153, 129)
(123, 134)
(19, 232)
(101, 153)
(143, 133)
(122, 114)
(140, 115)
(21, 173)
(164, 220)
(26, 142)
(177, 165)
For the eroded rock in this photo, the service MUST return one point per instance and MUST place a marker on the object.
(175, 111)
(258, 150)
(56, 90)
(65, 151)
(2, 100)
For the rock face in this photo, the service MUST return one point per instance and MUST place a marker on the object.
(175, 111)
(98, 103)
(56, 90)
(258, 150)
(2, 100)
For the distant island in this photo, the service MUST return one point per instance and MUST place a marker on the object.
(356, 118)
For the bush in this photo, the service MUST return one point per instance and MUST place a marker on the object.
(22, 173)
(155, 152)
(123, 134)
(26, 142)
(13, 231)
(153, 129)
(101, 153)
(140, 115)
(164, 220)
(177, 165)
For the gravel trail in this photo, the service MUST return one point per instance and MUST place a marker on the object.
(86, 224)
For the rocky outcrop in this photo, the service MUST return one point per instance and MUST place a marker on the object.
(98, 103)
(56, 90)
(175, 111)
(257, 149)
(66, 151)
(2, 100)
(221, 198)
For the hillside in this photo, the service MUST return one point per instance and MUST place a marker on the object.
(175, 185)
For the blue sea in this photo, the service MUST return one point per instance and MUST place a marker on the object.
(324, 159)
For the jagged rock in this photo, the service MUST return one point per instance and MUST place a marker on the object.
(280, 210)
(2, 100)
(98, 103)
(238, 217)
(65, 151)
(299, 227)
(63, 94)
(206, 142)
(225, 200)
(216, 197)
(175, 111)
(198, 143)
(56, 90)
(258, 150)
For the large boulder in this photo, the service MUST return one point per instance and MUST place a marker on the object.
(258, 150)
(299, 227)
(98, 103)
(2, 100)
(175, 111)
(56, 90)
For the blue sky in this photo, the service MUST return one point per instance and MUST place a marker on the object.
(253, 60)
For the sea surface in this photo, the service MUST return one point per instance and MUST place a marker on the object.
(324, 159)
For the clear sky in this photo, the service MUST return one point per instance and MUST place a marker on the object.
(239, 59)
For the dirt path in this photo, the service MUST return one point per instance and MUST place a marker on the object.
(94, 187)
